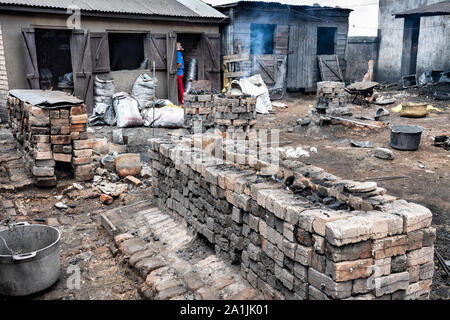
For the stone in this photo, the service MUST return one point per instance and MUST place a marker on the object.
(303, 255)
(147, 265)
(328, 286)
(349, 270)
(399, 263)
(83, 144)
(361, 187)
(414, 216)
(62, 157)
(383, 153)
(323, 217)
(128, 164)
(207, 293)
(420, 256)
(43, 171)
(354, 251)
(133, 180)
(391, 283)
(61, 206)
(371, 225)
(193, 281)
(106, 199)
(390, 246)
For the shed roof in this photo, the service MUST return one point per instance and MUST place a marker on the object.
(293, 3)
(437, 9)
(169, 8)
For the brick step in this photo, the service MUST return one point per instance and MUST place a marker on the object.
(174, 264)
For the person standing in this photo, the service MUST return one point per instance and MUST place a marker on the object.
(180, 66)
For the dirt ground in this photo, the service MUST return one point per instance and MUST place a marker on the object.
(422, 176)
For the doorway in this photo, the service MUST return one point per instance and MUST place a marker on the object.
(326, 41)
(192, 56)
(410, 45)
(54, 58)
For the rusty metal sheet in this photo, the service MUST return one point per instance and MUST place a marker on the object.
(45, 98)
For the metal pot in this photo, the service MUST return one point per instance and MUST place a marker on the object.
(29, 259)
(406, 137)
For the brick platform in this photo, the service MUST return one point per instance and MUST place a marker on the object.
(289, 246)
(50, 135)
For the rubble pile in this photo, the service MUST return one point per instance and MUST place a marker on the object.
(331, 98)
(288, 246)
(234, 113)
(48, 136)
(198, 112)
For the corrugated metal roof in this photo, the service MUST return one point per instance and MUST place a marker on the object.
(437, 9)
(173, 8)
(293, 3)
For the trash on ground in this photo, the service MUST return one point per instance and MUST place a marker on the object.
(442, 142)
(290, 152)
(361, 144)
(278, 104)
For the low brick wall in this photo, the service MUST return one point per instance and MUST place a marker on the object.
(220, 112)
(292, 245)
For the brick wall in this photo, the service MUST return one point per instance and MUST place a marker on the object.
(3, 82)
(290, 245)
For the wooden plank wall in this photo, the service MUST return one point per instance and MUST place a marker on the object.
(297, 32)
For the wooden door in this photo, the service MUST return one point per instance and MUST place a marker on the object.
(265, 65)
(211, 59)
(100, 52)
(172, 86)
(158, 51)
(302, 56)
(30, 56)
(82, 67)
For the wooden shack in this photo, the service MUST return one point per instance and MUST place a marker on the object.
(284, 41)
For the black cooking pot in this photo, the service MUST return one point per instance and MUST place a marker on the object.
(406, 137)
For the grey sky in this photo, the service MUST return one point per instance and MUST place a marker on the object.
(363, 20)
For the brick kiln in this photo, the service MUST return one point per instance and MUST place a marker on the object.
(290, 242)
(51, 128)
(221, 112)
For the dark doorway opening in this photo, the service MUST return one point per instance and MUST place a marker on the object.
(192, 56)
(126, 51)
(262, 38)
(53, 56)
(326, 41)
(410, 45)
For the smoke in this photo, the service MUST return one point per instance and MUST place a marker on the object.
(262, 38)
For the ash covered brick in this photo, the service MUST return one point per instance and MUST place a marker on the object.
(289, 247)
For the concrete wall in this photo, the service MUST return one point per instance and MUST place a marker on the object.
(434, 40)
(12, 24)
(359, 51)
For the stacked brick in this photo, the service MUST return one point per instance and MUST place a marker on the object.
(48, 136)
(234, 113)
(331, 96)
(289, 247)
(198, 112)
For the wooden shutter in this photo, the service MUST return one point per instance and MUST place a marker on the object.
(30, 56)
(329, 68)
(172, 85)
(100, 52)
(211, 59)
(82, 67)
(266, 67)
(158, 51)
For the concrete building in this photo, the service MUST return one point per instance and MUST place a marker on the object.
(414, 37)
(40, 41)
(283, 41)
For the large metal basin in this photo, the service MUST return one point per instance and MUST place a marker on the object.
(34, 263)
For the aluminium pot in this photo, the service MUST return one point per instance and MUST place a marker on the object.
(30, 259)
(405, 137)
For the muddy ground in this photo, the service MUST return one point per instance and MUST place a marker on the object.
(421, 176)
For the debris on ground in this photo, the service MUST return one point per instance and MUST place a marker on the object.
(383, 153)
(289, 152)
(361, 144)
(442, 142)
